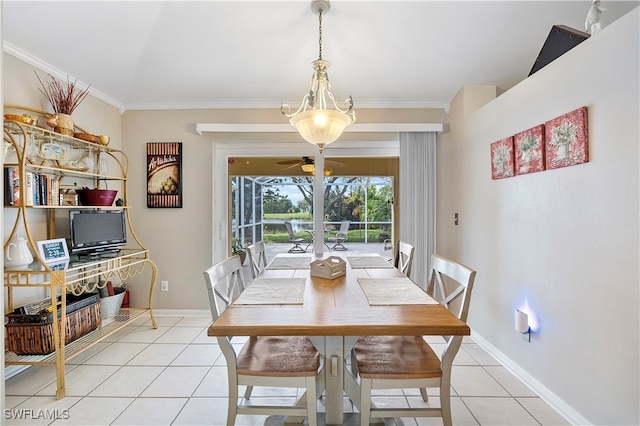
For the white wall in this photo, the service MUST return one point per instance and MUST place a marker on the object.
(565, 242)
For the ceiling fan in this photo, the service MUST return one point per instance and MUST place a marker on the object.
(308, 166)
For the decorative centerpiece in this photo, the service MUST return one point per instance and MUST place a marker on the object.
(330, 268)
(63, 100)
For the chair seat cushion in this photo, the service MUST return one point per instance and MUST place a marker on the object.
(278, 356)
(396, 357)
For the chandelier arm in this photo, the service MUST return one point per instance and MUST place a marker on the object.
(303, 107)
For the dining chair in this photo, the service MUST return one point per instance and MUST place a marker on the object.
(404, 257)
(399, 362)
(257, 258)
(341, 236)
(271, 361)
(297, 241)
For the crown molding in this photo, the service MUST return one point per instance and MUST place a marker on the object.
(57, 73)
(287, 128)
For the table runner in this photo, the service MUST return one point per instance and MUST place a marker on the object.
(394, 291)
(290, 262)
(368, 262)
(273, 291)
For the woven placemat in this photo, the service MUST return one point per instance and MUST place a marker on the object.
(290, 262)
(273, 291)
(394, 291)
(368, 262)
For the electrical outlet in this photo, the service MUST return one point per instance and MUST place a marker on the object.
(164, 285)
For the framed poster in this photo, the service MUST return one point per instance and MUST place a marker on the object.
(164, 174)
(529, 150)
(502, 158)
(566, 139)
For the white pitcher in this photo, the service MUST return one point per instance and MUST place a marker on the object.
(17, 254)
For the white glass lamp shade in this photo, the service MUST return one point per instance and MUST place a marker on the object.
(321, 126)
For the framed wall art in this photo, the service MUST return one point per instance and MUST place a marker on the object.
(566, 139)
(164, 174)
(529, 150)
(502, 158)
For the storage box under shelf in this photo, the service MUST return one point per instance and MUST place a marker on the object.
(330, 268)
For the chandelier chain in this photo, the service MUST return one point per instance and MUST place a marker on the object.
(320, 34)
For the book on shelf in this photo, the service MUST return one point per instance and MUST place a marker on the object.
(54, 198)
(12, 186)
(39, 189)
(28, 188)
(8, 192)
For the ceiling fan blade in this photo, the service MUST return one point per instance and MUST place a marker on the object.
(288, 162)
(293, 165)
(335, 164)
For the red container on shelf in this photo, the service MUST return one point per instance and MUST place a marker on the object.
(96, 197)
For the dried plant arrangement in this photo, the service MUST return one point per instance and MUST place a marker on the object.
(63, 100)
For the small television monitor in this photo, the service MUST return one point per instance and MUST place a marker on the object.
(97, 231)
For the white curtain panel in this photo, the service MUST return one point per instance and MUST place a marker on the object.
(418, 198)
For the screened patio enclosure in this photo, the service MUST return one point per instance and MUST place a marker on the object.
(261, 204)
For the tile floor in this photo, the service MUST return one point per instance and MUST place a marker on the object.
(175, 375)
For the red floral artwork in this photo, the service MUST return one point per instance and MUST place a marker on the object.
(566, 139)
(529, 150)
(502, 158)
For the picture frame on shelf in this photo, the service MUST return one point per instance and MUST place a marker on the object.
(164, 174)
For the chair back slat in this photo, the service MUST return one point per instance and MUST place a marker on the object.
(404, 257)
(224, 282)
(257, 258)
(449, 281)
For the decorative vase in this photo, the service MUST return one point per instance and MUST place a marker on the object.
(562, 151)
(64, 124)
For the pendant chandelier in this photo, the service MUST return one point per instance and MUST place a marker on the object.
(319, 120)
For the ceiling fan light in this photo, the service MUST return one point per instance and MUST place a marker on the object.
(308, 168)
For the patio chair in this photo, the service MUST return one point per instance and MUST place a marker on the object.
(400, 362)
(296, 241)
(341, 236)
(272, 361)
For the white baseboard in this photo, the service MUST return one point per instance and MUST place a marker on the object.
(12, 370)
(557, 403)
(182, 312)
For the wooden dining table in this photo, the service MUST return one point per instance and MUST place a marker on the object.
(333, 313)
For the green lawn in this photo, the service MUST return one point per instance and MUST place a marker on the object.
(288, 216)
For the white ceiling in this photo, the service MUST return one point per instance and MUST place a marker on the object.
(176, 54)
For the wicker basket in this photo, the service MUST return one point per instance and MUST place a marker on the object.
(36, 338)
